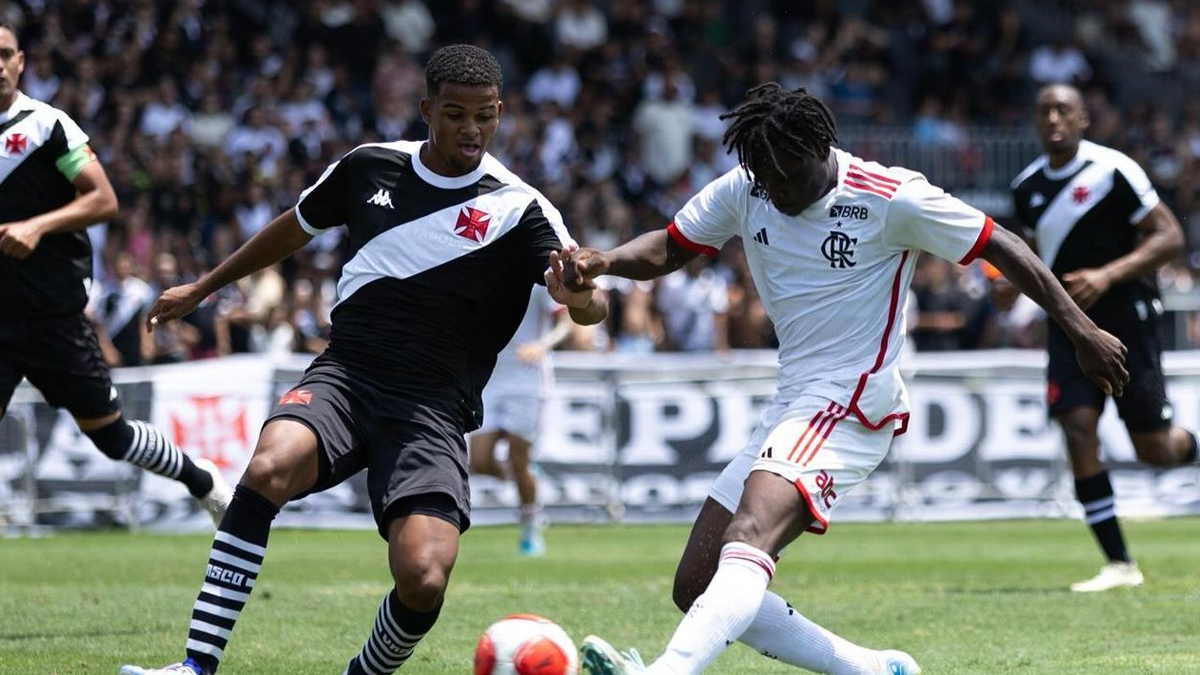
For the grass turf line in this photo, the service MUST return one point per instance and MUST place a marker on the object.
(963, 598)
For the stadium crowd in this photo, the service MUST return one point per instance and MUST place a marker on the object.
(211, 116)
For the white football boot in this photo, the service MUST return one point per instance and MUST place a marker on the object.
(1112, 575)
(600, 658)
(218, 498)
(898, 663)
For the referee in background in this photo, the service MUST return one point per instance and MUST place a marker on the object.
(51, 188)
(1101, 228)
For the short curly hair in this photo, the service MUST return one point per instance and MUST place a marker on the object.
(461, 64)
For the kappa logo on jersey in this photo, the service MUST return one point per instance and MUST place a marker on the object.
(472, 224)
(838, 249)
(1080, 194)
(296, 397)
(825, 484)
(382, 198)
(1036, 199)
(14, 144)
(849, 212)
(761, 237)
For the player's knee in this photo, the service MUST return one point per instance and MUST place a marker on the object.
(113, 439)
(274, 474)
(744, 528)
(421, 585)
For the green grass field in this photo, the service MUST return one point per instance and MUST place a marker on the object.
(983, 598)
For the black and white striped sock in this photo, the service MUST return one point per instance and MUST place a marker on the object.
(233, 565)
(152, 451)
(1095, 493)
(397, 631)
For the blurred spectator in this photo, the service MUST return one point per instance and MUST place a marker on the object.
(1059, 63)
(664, 128)
(119, 310)
(944, 307)
(1015, 321)
(580, 25)
(694, 304)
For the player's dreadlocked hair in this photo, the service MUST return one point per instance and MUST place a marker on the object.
(461, 64)
(773, 120)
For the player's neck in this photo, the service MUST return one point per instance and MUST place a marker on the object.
(7, 101)
(438, 164)
(1058, 160)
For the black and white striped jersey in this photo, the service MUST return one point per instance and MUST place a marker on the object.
(35, 142)
(439, 270)
(1085, 214)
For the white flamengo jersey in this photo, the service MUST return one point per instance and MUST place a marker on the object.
(834, 279)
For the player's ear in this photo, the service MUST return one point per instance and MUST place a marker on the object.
(20, 61)
(499, 109)
(426, 110)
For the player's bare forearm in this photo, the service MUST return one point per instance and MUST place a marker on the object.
(1021, 266)
(1162, 242)
(280, 238)
(595, 311)
(649, 256)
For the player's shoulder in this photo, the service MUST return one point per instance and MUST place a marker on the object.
(1111, 157)
(43, 113)
(1034, 168)
(866, 179)
(389, 152)
(495, 170)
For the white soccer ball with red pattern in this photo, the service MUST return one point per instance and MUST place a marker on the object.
(525, 644)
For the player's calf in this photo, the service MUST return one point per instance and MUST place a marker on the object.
(1170, 447)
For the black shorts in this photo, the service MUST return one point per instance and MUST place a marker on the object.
(1144, 406)
(61, 357)
(414, 452)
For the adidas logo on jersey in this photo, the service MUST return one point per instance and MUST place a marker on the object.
(761, 237)
(382, 198)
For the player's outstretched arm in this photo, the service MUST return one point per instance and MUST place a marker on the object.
(647, 257)
(1101, 355)
(279, 239)
(94, 202)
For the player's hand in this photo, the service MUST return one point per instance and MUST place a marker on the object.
(1101, 356)
(530, 352)
(173, 304)
(18, 240)
(582, 266)
(557, 287)
(1086, 286)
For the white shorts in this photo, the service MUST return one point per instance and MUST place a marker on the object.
(814, 443)
(512, 412)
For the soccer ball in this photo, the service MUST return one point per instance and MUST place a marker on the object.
(525, 644)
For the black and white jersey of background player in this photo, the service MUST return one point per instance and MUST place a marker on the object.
(1084, 215)
(52, 188)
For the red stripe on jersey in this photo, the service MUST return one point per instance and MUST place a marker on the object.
(862, 186)
(839, 418)
(690, 245)
(985, 233)
(866, 178)
(812, 424)
(883, 343)
(882, 179)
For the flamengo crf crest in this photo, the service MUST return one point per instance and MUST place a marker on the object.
(838, 249)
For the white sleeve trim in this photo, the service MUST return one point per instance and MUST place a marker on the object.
(1147, 207)
(304, 223)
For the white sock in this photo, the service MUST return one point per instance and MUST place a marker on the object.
(721, 614)
(782, 633)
